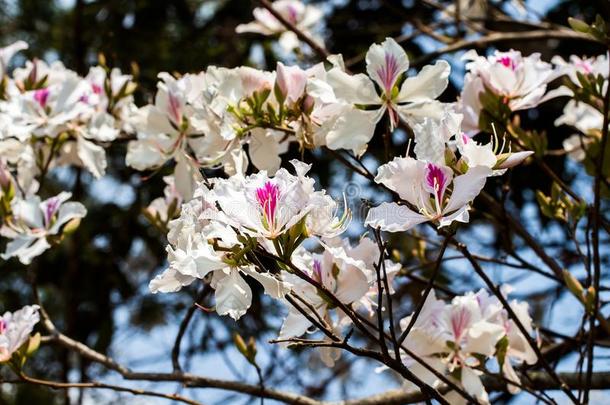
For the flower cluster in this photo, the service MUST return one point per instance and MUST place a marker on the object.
(218, 228)
(435, 185)
(459, 338)
(345, 271)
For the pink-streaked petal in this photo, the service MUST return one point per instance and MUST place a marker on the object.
(385, 63)
(436, 180)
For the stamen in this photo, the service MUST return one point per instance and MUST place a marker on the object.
(268, 196)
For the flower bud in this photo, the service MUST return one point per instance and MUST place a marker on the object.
(291, 81)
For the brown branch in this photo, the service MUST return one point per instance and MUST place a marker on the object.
(497, 37)
(99, 385)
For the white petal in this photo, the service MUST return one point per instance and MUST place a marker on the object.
(427, 84)
(466, 187)
(403, 175)
(355, 89)
(233, 295)
(25, 248)
(273, 287)
(169, 281)
(353, 130)
(144, 154)
(93, 156)
(264, 150)
(392, 217)
(294, 325)
(67, 212)
(472, 384)
(385, 63)
(429, 142)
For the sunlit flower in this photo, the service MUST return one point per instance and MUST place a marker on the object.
(386, 63)
(199, 247)
(430, 188)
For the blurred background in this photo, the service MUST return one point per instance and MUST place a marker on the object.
(95, 285)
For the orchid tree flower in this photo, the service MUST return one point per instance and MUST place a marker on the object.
(454, 339)
(199, 246)
(348, 272)
(382, 91)
(236, 101)
(579, 115)
(305, 17)
(59, 112)
(339, 273)
(169, 129)
(520, 80)
(517, 347)
(597, 65)
(261, 206)
(47, 111)
(15, 330)
(33, 222)
(430, 189)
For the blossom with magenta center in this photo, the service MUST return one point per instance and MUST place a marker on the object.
(42, 96)
(267, 197)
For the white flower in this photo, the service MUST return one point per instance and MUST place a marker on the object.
(192, 256)
(33, 221)
(15, 329)
(350, 126)
(168, 129)
(261, 206)
(334, 269)
(520, 81)
(586, 66)
(304, 17)
(425, 186)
